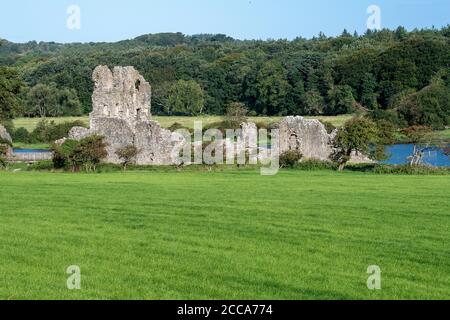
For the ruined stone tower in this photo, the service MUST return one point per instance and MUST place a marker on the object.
(121, 94)
(121, 113)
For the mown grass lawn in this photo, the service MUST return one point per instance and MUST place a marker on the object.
(229, 235)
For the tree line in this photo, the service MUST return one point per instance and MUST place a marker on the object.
(393, 75)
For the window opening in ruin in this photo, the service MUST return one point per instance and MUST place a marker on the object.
(293, 142)
(137, 84)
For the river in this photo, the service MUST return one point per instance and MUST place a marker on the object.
(399, 153)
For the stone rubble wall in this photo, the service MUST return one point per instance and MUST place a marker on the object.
(4, 135)
(155, 143)
(310, 137)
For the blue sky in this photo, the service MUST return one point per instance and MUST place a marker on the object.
(113, 20)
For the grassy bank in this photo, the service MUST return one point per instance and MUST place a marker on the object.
(229, 235)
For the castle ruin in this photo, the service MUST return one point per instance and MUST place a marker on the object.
(309, 136)
(5, 141)
(121, 113)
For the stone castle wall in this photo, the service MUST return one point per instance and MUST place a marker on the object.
(4, 135)
(121, 113)
(310, 137)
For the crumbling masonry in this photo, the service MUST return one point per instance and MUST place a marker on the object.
(5, 140)
(121, 113)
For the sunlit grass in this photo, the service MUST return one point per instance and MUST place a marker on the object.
(21, 145)
(31, 123)
(166, 122)
(229, 235)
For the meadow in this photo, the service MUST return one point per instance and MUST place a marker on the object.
(167, 121)
(224, 235)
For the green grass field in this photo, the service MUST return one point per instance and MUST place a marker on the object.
(30, 123)
(446, 134)
(224, 235)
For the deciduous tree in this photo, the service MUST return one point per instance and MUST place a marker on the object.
(359, 135)
(186, 97)
(10, 88)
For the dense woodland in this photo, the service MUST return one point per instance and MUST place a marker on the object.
(396, 75)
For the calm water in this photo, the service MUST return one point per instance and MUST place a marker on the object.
(400, 152)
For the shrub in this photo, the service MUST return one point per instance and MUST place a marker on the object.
(46, 165)
(3, 162)
(127, 155)
(89, 152)
(313, 164)
(412, 170)
(290, 159)
(21, 135)
(5, 143)
(358, 135)
(3, 159)
(328, 126)
(63, 155)
(397, 169)
(48, 131)
(236, 114)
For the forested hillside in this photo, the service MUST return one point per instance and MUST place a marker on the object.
(397, 75)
